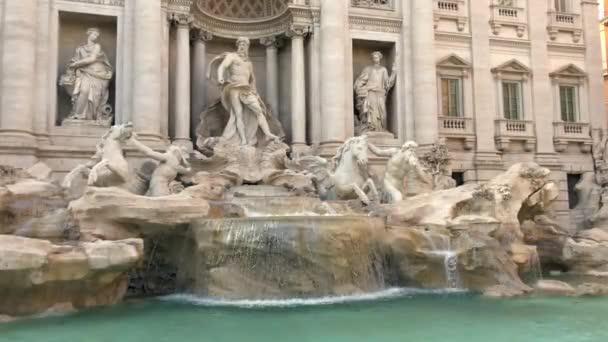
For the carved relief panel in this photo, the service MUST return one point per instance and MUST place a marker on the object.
(243, 9)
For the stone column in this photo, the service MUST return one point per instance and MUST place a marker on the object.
(593, 64)
(334, 32)
(182, 82)
(18, 65)
(199, 71)
(313, 87)
(147, 69)
(298, 88)
(272, 72)
(424, 76)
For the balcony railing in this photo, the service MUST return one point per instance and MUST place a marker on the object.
(571, 132)
(448, 6)
(456, 125)
(565, 22)
(452, 10)
(514, 130)
(458, 128)
(513, 16)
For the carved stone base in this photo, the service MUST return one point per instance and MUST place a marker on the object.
(86, 123)
(382, 139)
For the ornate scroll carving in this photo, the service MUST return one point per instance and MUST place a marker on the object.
(380, 4)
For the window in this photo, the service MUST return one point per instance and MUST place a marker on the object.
(458, 177)
(563, 6)
(573, 180)
(511, 92)
(451, 96)
(568, 103)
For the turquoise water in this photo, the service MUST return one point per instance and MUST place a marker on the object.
(391, 316)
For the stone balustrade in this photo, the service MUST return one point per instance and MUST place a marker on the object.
(571, 132)
(454, 10)
(565, 22)
(515, 130)
(458, 128)
(513, 16)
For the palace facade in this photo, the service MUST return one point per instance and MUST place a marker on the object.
(503, 81)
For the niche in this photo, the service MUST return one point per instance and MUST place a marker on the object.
(73, 33)
(362, 57)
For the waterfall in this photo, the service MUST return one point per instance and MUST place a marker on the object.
(286, 257)
(536, 270)
(441, 246)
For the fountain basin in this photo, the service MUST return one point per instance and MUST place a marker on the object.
(283, 257)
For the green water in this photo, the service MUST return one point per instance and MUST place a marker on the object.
(395, 317)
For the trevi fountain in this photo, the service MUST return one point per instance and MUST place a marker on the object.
(245, 229)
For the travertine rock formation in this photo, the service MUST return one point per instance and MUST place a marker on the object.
(114, 214)
(30, 207)
(482, 223)
(36, 275)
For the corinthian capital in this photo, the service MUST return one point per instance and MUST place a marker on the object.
(180, 19)
(197, 34)
(298, 30)
(271, 42)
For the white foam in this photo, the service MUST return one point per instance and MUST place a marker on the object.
(296, 302)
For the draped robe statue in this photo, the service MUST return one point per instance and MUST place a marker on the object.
(371, 89)
(87, 79)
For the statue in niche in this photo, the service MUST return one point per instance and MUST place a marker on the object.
(237, 132)
(403, 171)
(371, 89)
(87, 80)
(247, 112)
(170, 164)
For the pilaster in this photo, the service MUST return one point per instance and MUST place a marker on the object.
(593, 63)
(424, 75)
(147, 69)
(334, 32)
(18, 79)
(486, 157)
(543, 110)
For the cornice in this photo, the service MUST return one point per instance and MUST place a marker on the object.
(378, 24)
(117, 3)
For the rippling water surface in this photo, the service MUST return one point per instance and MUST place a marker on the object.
(394, 315)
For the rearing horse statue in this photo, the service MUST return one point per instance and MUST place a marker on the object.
(350, 177)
